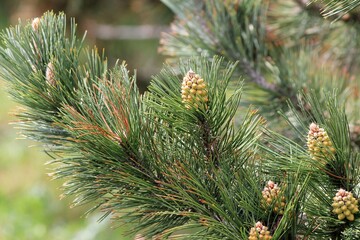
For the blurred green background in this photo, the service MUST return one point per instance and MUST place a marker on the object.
(30, 207)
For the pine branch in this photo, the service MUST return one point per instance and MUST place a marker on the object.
(263, 65)
(28, 56)
(329, 170)
(119, 153)
(339, 12)
(208, 36)
(108, 32)
(333, 41)
(171, 161)
(337, 9)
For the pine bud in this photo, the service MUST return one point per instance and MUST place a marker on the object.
(272, 197)
(139, 237)
(345, 205)
(319, 143)
(35, 24)
(259, 232)
(33, 68)
(50, 75)
(194, 91)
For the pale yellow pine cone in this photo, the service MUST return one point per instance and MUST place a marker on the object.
(194, 92)
(319, 144)
(259, 232)
(273, 197)
(50, 75)
(345, 205)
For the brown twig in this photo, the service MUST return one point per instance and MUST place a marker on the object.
(256, 77)
(110, 32)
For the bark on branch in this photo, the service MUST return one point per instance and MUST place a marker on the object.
(256, 77)
(110, 32)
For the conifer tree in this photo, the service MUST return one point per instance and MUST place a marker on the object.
(251, 131)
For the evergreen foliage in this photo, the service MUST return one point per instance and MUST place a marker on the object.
(283, 47)
(338, 8)
(188, 158)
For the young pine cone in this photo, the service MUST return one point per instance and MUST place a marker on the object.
(194, 91)
(50, 75)
(259, 232)
(345, 205)
(35, 24)
(272, 197)
(319, 143)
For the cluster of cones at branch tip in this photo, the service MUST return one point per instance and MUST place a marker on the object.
(194, 94)
(320, 147)
(194, 91)
(345, 205)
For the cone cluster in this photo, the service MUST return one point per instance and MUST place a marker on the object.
(272, 197)
(194, 91)
(259, 232)
(319, 143)
(345, 205)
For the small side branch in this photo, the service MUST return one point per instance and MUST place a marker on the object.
(256, 77)
(109, 32)
(318, 9)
